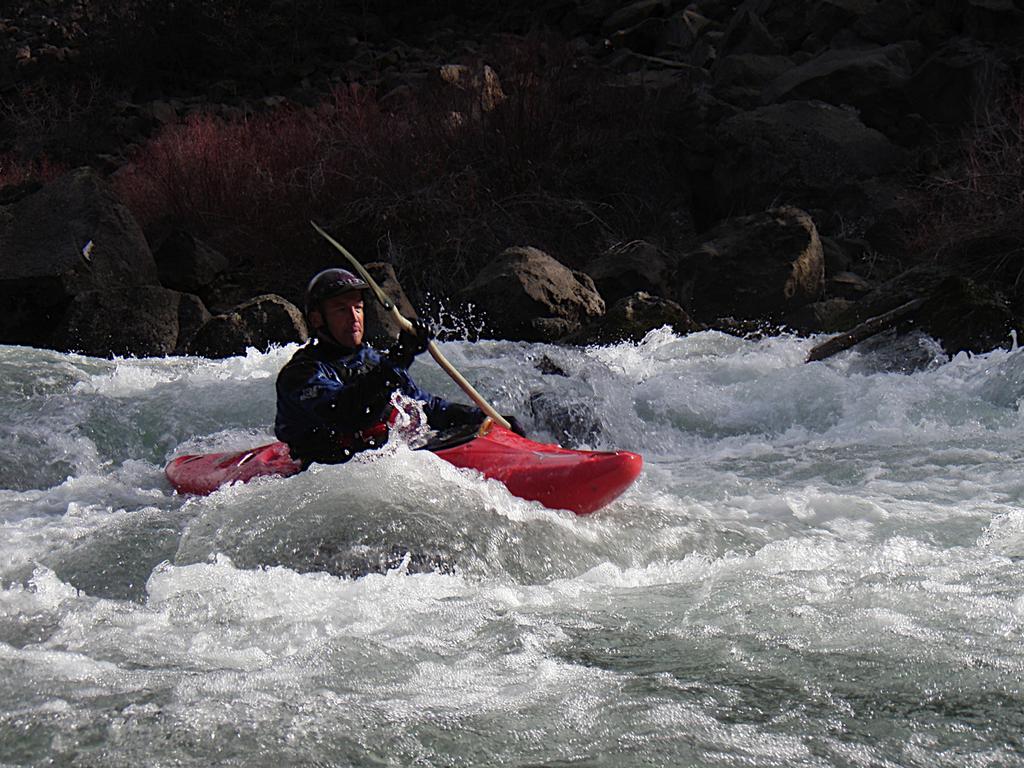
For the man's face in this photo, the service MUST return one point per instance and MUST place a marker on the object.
(343, 317)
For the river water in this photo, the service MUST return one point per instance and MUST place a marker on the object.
(821, 565)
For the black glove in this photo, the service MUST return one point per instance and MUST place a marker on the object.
(411, 343)
(514, 425)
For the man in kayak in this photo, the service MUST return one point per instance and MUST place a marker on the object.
(334, 395)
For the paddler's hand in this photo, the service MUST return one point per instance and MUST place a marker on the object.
(412, 343)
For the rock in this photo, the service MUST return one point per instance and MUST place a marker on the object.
(872, 81)
(484, 83)
(632, 318)
(381, 327)
(799, 152)
(530, 296)
(828, 17)
(965, 316)
(71, 236)
(960, 313)
(747, 33)
(591, 14)
(760, 266)
(647, 38)
(262, 322)
(847, 285)
(143, 321)
(913, 283)
(890, 22)
(1000, 21)
(186, 264)
(751, 70)
(568, 415)
(12, 193)
(633, 14)
(628, 268)
(828, 316)
(221, 336)
(794, 24)
(954, 83)
(161, 112)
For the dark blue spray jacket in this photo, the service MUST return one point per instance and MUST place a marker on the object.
(333, 401)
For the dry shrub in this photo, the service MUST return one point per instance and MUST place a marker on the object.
(15, 171)
(974, 210)
(67, 121)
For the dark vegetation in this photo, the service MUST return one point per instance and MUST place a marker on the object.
(436, 185)
(238, 122)
(972, 212)
(440, 184)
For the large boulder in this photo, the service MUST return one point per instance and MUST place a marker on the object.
(747, 33)
(800, 152)
(756, 267)
(871, 80)
(381, 326)
(633, 317)
(892, 21)
(828, 17)
(634, 13)
(966, 316)
(145, 321)
(71, 236)
(955, 82)
(530, 296)
(960, 313)
(999, 21)
(262, 322)
(625, 269)
(187, 264)
(740, 77)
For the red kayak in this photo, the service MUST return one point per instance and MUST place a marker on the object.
(559, 478)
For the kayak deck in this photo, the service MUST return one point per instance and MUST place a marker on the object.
(559, 478)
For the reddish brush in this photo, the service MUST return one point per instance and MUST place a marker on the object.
(14, 170)
(982, 194)
(437, 186)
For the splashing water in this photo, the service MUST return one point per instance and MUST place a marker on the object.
(821, 565)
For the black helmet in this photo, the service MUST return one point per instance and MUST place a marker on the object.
(331, 282)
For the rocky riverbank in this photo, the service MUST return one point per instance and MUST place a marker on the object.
(576, 171)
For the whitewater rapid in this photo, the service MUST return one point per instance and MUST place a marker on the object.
(821, 565)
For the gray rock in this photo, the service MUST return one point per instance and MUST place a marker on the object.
(890, 22)
(262, 322)
(955, 82)
(960, 313)
(187, 264)
(530, 296)
(749, 69)
(828, 316)
(628, 268)
(800, 152)
(870, 80)
(759, 266)
(633, 14)
(963, 315)
(827, 17)
(633, 317)
(144, 321)
(997, 21)
(747, 33)
(70, 237)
